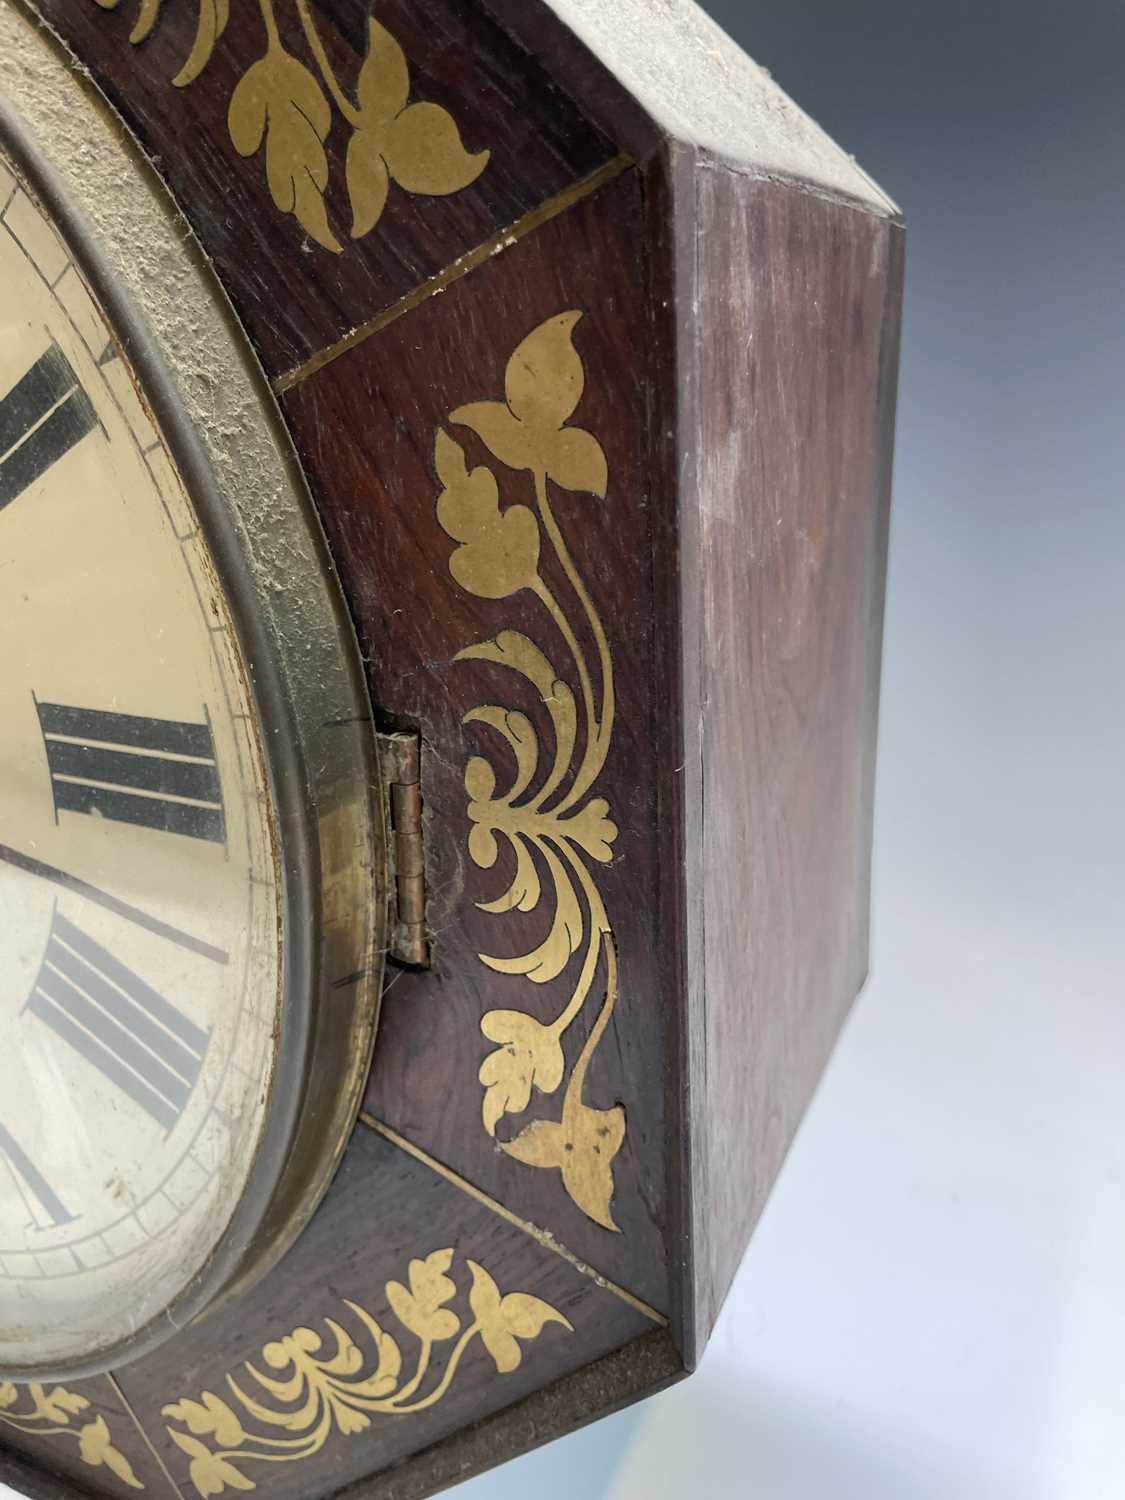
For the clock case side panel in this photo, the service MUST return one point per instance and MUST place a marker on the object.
(81, 1439)
(392, 1231)
(27, 1478)
(344, 250)
(789, 305)
(639, 1369)
(643, 1368)
(758, 1005)
(426, 636)
(200, 379)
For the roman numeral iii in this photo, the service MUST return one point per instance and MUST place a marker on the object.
(30, 1181)
(155, 773)
(134, 1037)
(42, 417)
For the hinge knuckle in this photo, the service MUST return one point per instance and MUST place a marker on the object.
(401, 758)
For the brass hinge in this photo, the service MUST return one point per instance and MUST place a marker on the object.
(401, 759)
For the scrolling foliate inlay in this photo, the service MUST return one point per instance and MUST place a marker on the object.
(47, 1411)
(556, 826)
(281, 102)
(313, 1393)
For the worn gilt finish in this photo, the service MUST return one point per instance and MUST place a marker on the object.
(281, 102)
(55, 1412)
(550, 818)
(313, 1393)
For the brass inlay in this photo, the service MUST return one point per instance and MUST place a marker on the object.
(121, 1397)
(281, 102)
(46, 1411)
(503, 240)
(312, 1393)
(541, 1236)
(549, 819)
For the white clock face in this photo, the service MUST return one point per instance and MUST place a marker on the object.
(139, 905)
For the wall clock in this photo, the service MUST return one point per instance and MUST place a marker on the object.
(444, 471)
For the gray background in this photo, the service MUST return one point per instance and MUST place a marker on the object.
(934, 1305)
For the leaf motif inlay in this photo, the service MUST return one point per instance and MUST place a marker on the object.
(279, 101)
(311, 1390)
(560, 828)
(53, 1411)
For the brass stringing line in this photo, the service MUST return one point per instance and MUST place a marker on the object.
(53, 1407)
(139, 1425)
(541, 1236)
(501, 241)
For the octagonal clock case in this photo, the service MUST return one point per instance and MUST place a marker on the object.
(444, 477)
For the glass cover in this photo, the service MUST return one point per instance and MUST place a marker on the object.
(139, 903)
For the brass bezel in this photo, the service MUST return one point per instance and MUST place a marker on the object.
(316, 730)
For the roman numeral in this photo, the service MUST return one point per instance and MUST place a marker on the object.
(118, 1023)
(42, 417)
(29, 1179)
(155, 773)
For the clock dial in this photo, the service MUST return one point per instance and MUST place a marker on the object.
(139, 904)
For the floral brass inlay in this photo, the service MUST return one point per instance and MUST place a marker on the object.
(556, 825)
(312, 1393)
(281, 102)
(47, 1411)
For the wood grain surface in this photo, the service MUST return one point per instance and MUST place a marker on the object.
(789, 408)
(293, 294)
(640, 1369)
(383, 1211)
(378, 497)
(68, 1444)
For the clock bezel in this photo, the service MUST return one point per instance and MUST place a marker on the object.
(315, 727)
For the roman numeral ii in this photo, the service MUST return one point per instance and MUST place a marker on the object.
(155, 773)
(134, 1037)
(42, 417)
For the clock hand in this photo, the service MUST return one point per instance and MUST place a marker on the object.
(32, 866)
(28, 1175)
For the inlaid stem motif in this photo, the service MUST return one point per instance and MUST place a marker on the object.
(546, 813)
(282, 102)
(47, 1411)
(311, 1392)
